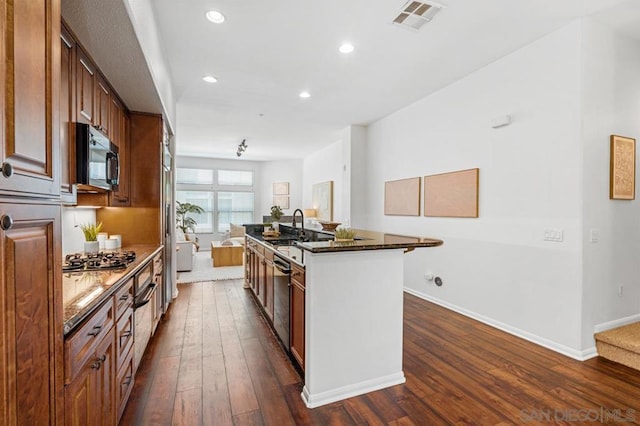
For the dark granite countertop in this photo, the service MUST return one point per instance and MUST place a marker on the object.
(370, 240)
(365, 240)
(83, 291)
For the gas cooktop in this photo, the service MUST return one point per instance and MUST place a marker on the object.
(98, 261)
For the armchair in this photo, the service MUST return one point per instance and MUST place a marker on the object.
(186, 253)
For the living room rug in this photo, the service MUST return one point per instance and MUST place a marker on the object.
(203, 270)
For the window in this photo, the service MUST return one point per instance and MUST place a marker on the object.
(235, 177)
(203, 199)
(225, 195)
(234, 207)
(194, 176)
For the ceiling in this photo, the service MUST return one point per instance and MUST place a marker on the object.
(266, 53)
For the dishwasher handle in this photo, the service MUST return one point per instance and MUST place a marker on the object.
(147, 297)
(283, 267)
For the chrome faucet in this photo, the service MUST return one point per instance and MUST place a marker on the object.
(293, 222)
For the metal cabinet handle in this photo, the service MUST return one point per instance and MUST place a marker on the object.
(6, 169)
(6, 222)
(127, 380)
(96, 330)
(96, 365)
(124, 297)
(103, 358)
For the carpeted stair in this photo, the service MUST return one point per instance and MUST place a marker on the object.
(621, 344)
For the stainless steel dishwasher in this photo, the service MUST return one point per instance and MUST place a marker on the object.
(281, 298)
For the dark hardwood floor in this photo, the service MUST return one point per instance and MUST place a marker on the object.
(214, 361)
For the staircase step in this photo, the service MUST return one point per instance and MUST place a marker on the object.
(621, 344)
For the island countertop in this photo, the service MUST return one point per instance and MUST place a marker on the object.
(370, 240)
(83, 291)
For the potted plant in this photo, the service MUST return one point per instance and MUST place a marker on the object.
(276, 214)
(90, 231)
(344, 234)
(186, 223)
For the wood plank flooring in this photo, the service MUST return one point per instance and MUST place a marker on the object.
(215, 361)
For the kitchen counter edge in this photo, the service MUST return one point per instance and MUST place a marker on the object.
(144, 254)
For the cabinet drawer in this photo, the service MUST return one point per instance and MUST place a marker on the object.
(157, 264)
(124, 298)
(124, 383)
(124, 336)
(81, 345)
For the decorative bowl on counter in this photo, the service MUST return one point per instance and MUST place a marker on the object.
(329, 226)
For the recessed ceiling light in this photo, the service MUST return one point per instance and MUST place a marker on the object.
(346, 48)
(305, 95)
(215, 17)
(210, 79)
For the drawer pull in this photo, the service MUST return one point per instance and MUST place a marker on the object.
(6, 169)
(96, 365)
(103, 358)
(127, 380)
(124, 297)
(96, 330)
(6, 222)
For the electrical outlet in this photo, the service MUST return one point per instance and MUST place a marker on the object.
(553, 234)
(620, 290)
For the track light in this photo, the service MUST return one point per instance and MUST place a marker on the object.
(241, 148)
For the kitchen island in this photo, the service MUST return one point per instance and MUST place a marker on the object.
(353, 310)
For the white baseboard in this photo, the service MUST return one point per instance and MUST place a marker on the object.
(533, 338)
(616, 323)
(333, 395)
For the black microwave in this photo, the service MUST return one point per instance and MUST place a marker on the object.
(96, 159)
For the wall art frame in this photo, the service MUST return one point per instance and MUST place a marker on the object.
(622, 168)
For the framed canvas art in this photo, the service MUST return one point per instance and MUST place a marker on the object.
(622, 179)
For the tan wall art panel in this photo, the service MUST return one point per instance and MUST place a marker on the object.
(402, 197)
(452, 194)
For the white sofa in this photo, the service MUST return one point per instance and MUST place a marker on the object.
(186, 253)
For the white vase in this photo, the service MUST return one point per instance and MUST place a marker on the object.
(275, 225)
(91, 247)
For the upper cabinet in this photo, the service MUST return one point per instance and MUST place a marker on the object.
(85, 88)
(102, 107)
(30, 71)
(67, 116)
(119, 126)
(145, 164)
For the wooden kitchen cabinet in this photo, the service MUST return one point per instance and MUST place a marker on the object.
(31, 343)
(268, 284)
(30, 70)
(119, 197)
(102, 106)
(67, 116)
(85, 87)
(145, 160)
(297, 313)
(90, 398)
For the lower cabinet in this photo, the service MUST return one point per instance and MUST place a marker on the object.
(296, 326)
(99, 366)
(90, 396)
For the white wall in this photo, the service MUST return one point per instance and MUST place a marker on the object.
(281, 171)
(72, 236)
(322, 166)
(496, 267)
(611, 105)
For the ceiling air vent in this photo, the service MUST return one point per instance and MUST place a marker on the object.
(415, 14)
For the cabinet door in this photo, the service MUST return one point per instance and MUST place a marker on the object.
(269, 269)
(29, 105)
(145, 161)
(106, 380)
(67, 116)
(80, 396)
(31, 315)
(102, 105)
(119, 197)
(297, 315)
(85, 88)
